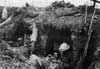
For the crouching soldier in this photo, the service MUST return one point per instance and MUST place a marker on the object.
(66, 55)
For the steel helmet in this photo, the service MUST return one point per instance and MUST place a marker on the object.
(64, 47)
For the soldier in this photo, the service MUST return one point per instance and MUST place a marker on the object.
(4, 13)
(34, 36)
(65, 51)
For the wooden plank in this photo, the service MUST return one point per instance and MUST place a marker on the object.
(96, 1)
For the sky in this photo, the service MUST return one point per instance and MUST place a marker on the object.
(39, 3)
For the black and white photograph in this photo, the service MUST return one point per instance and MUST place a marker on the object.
(49, 34)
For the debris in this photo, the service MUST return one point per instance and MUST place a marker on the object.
(31, 30)
(6, 21)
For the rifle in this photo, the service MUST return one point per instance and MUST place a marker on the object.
(82, 58)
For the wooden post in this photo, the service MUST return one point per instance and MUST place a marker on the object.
(86, 13)
(25, 40)
(95, 1)
(5, 3)
(82, 58)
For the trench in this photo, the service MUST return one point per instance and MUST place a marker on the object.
(56, 37)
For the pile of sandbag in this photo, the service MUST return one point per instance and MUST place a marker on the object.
(66, 11)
